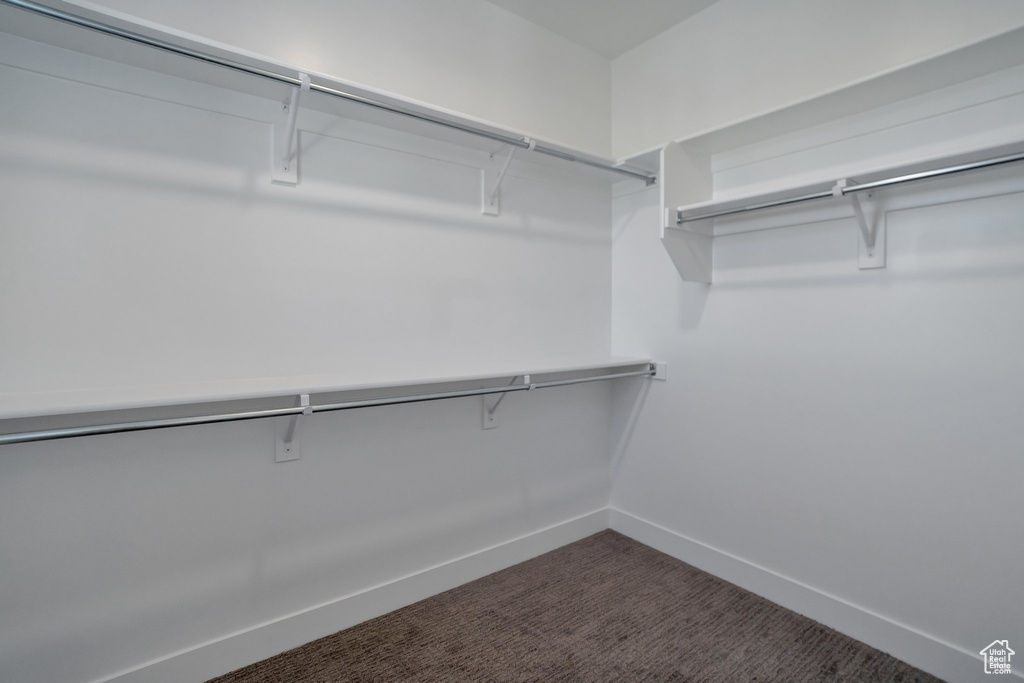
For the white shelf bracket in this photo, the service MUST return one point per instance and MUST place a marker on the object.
(685, 178)
(284, 147)
(871, 251)
(491, 403)
(490, 203)
(289, 445)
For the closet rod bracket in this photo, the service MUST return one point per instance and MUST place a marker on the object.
(660, 370)
(284, 145)
(490, 197)
(490, 403)
(289, 446)
(871, 250)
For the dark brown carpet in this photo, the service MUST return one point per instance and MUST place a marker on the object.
(603, 609)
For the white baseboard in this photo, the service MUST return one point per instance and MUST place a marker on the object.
(217, 657)
(226, 654)
(948, 662)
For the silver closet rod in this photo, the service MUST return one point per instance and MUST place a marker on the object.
(295, 81)
(861, 187)
(142, 425)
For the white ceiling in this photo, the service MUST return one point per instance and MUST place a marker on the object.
(608, 27)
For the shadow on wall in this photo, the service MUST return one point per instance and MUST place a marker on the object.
(648, 288)
(855, 279)
(933, 233)
(628, 402)
(648, 198)
(926, 245)
(692, 299)
(249, 194)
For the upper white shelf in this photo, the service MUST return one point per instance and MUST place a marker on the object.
(147, 45)
(916, 78)
(41, 404)
(956, 108)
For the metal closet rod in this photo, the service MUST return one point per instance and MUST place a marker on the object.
(860, 187)
(143, 425)
(294, 80)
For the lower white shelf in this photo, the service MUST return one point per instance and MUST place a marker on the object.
(45, 417)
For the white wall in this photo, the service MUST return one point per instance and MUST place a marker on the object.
(830, 426)
(740, 58)
(839, 440)
(143, 243)
(468, 56)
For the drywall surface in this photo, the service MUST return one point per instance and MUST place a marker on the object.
(143, 243)
(468, 56)
(855, 432)
(740, 58)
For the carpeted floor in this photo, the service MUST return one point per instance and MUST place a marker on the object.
(603, 609)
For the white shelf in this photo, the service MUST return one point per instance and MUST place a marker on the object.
(29, 405)
(927, 75)
(954, 108)
(23, 24)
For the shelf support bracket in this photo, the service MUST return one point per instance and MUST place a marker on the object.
(490, 404)
(284, 150)
(871, 251)
(289, 446)
(490, 199)
(685, 178)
